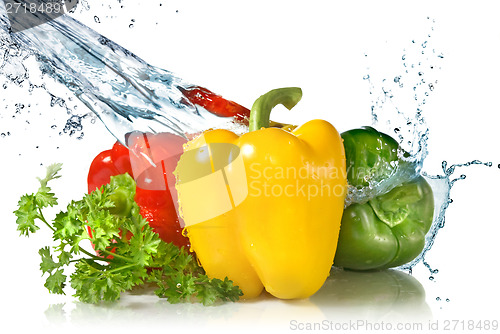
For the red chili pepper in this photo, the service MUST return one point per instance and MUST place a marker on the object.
(214, 103)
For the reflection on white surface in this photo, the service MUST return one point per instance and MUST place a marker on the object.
(376, 295)
(387, 296)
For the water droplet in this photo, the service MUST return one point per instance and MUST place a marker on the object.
(131, 25)
(178, 285)
(438, 299)
(366, 77)
(96, 19)
(448, 299)
(19, 106)
(431, 278)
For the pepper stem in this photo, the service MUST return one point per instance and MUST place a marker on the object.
(261, 109)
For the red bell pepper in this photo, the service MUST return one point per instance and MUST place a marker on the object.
(153, 193)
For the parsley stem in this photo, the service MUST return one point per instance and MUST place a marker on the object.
(122, 268)
(94, 257)
(42, 218)
(118, 256)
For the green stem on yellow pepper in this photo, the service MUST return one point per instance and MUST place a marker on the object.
(261, 109)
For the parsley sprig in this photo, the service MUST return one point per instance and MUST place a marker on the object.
(127, 252)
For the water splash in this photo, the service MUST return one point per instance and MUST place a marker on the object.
(406, 169)
(441, 186)
(398, 107)
(415, 82)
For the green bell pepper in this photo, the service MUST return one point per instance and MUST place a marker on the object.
(371, 156)
(388, 230)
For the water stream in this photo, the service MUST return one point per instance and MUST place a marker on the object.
(122, 90)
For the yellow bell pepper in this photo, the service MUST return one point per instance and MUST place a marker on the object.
(264, 208)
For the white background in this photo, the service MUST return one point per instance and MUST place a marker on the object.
(241, 50)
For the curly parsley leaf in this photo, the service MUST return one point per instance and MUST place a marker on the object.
(44, 196)
(30, 206)
(48, 264)
(26, 214)
(56, 282)
(128, 252)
